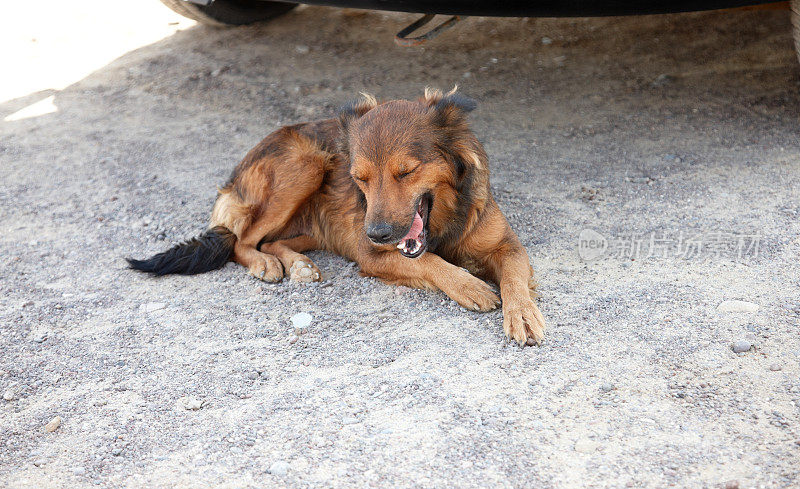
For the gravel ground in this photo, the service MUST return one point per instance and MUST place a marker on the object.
(670, 127)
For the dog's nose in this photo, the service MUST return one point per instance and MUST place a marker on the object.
(380, 233)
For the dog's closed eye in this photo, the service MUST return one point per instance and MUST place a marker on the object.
(404, 172)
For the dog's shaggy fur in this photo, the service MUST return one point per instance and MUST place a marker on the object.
(401, 188)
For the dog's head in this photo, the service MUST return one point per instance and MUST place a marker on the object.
(413, 161)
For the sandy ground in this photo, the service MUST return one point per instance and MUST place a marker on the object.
(682, 128)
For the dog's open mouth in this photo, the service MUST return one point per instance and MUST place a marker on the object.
(415, 242)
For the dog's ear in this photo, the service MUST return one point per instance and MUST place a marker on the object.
(456, 141)
(448, 108)
(355, 109)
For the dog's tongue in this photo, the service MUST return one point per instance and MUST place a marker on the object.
(416, 229)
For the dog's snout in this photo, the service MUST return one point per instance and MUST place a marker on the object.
(381, 232)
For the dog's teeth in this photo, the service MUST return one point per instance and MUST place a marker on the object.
(400, 245)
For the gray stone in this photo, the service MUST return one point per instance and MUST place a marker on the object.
(741, 346)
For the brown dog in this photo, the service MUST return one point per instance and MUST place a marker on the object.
(381, 185)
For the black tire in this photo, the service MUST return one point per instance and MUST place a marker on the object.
(230, 12)
(796, 24)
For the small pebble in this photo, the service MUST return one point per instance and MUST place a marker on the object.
(662, 80)
(152, 306)
(53, 424)
(741, 346)
(586, 446)
(279, 468)
(737, 306)
(293, 340)
(9, 395)
(775, 367)
(607, 387)
(78, 470)
(116, 452)
(546, 41)
(301, 320)
(733, 484)
(191, 403)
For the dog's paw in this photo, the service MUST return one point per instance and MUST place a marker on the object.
(267, 268)
(474, 294)
(523, 322)
(304, 270)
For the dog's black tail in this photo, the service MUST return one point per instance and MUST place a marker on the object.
(209, 251)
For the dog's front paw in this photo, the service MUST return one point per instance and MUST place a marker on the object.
(522, 321)
(473, 293)
(304, 270)
(267, 268)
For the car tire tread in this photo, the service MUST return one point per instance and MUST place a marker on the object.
(795, 5)
(229, 12)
